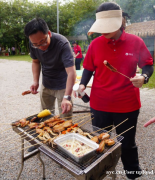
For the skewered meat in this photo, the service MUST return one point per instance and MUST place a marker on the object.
(22, 122)
(38, 131)
(67, 124)
(101, 147)
(26, 92)
(95, 139)
(52, 119)
(109, 142)
(49, 130)
(33, 119)
(103, 136)
(109, 66)
(33, 125)
(41, 125)
(58, 128)
(87, 135)
(77, 130)
(54, 123)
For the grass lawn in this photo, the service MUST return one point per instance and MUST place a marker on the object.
(150, 85)
(17, 57)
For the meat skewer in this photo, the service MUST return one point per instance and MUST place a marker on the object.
(110, 142)
(109, 66)
(100, 129)
(26, 92)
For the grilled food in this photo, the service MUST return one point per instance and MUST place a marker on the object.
(26, 92)
(44, 113)
(103, 136)
(109, 142)
(101, 147)
(95, 139)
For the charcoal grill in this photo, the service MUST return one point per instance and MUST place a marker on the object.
(93, 169)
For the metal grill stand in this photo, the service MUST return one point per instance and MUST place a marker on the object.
(92, 169)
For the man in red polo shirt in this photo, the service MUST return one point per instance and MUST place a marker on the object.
(115, 97)
(78, 55)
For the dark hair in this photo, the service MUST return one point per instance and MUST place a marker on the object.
(35, 25)
(124, 14)
(74, 42)
(107, 6)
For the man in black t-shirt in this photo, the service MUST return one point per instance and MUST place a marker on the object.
(51, 53)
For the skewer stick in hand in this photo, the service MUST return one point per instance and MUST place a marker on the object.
(118, 125)
(123, 132)
(109, 66)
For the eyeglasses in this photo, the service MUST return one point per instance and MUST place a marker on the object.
(43, 44)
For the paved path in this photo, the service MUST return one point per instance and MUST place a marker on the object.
(16, 77)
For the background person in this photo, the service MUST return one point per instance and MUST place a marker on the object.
(78, 55)
(13, 50)
(52, 53)
(114, 97)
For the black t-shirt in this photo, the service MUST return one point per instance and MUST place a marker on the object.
(54, 60)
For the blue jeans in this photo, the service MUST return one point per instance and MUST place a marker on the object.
(77, 63)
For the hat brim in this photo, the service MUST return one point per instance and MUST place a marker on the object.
(106, 25)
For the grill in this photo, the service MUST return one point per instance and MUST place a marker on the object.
(94, 168)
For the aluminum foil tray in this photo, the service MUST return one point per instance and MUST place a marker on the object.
(74, 136)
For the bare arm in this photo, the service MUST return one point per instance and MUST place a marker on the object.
(77, 54)
(150, 122)
(71, 72)
(36, 74)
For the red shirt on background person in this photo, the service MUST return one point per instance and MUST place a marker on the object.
(78, 55)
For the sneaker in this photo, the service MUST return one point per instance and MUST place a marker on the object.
(32, 148)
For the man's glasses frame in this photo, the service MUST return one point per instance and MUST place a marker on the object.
(44, 44)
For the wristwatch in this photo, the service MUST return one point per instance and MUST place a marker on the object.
(146, 78)
(68, 97)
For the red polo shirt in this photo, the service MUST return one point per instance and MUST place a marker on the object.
(112, 92)
(77, 49)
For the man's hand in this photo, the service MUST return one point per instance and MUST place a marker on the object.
(150, 122)
(34, 88)
(137, 81)
(66, 106)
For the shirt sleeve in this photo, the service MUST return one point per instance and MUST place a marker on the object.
(145, 57)
(88, 60)
(67, 55)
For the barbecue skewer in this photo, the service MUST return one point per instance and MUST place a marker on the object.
(28, 147)
(15, 135)
(86, 122)
(100, 129)
(118, 125)
(123, 132)
(109, 66)
(22, 143)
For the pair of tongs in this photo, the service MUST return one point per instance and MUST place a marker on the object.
(109, 66)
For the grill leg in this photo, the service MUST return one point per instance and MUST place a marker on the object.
(42, 164)
(22, 159)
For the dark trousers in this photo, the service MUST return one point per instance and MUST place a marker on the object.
(129, 149)
(77, 63)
